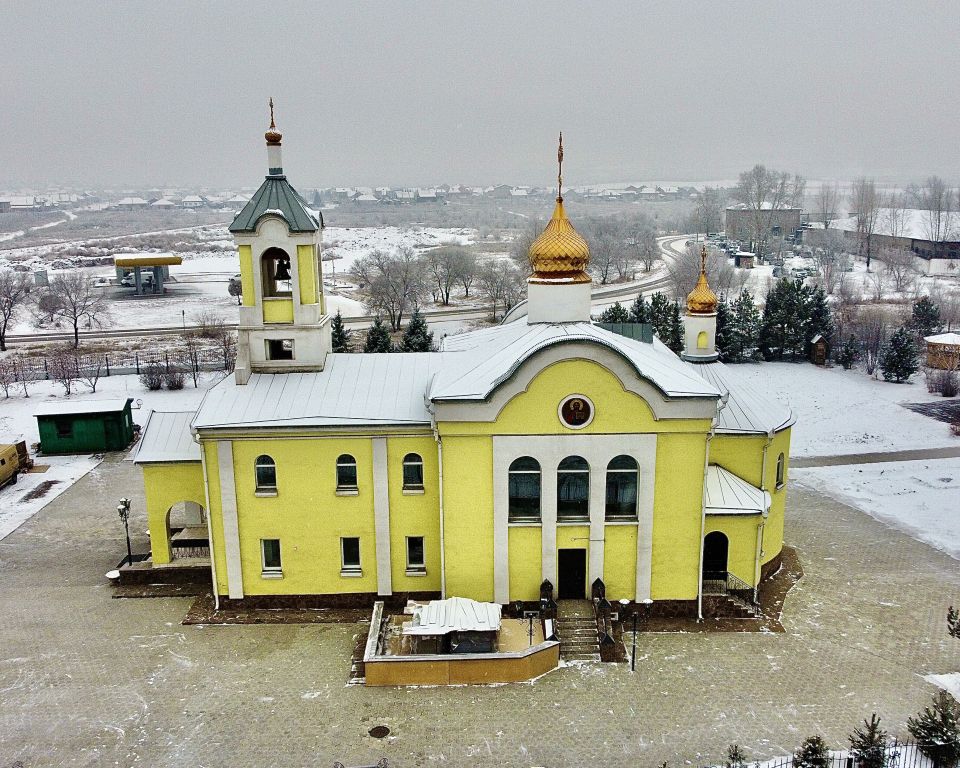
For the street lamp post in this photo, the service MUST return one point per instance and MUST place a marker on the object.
(123, 509)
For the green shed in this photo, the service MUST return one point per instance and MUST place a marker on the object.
(89, 426)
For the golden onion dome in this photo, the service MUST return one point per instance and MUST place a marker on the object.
(560, 253)
(272, 135)
(702, 300)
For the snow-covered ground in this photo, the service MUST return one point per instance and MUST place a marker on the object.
(345, 244)
(949, 682)
(845, 412)
(921, 498)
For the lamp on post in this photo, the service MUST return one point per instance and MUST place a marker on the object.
(123, 509)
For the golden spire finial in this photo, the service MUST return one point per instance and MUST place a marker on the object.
(272, 135)
(702, 300)
(560, 169)
(703, 259)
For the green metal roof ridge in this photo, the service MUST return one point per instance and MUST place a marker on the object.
(276, 195)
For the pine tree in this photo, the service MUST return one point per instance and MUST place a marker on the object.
(378, 337)
(926, 317)
(723, 328)
(674, 338)
(786, 317)
(813, 753)
(819, 318)
(743, 336)
(339, 335)
(898, 358)
(868, 745)
(953, 622)
(849, 353)
(660, 316)
(416, 338)
(937, 730)
(735, 757)
(640, 310)
(615, 314)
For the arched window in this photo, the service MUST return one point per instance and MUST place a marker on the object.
(622, 483)
(573, 489)
(346, 472)
(524, 490)
(265, 471)
(412, 472)
(275, 272)
(702, 339)
(781, 470)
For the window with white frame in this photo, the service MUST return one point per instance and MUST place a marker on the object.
(523, 479)
(350, 554)
(781, 470)
(270, 556)
(573, 489)
(412, 472)
(415, 557)
(265, 472)
(346, 472)
(622, 483)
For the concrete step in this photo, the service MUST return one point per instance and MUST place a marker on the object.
(580, 656)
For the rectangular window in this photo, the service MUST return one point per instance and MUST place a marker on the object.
(64, 427)
(573, 496)
(350, 555)
(270, 553)
(279, 349)
(415, 561)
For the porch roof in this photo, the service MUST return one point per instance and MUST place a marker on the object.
(167, 438)
(455, 614)
(727, 494)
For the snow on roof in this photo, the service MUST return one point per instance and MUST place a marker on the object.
(351, 390)
(69, 408)
(496, 353)
(162, 203)
(193, 199)
(943, 338)
(746, 412)
(167, 437)
(132, 201)
(455, 614)
(914, 224)
(727, 494)
(765, 206)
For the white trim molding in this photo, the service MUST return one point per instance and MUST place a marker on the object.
(381, 515)
(231, 522)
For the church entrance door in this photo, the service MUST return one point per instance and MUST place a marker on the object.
(572, 574)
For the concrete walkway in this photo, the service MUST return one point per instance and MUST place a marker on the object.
(918, 454)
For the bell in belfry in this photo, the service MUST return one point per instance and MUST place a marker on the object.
(283, 269)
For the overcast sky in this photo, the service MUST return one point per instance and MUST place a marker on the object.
(420, 93)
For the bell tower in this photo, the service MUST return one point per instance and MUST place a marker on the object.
(283, 325)
(700, 321)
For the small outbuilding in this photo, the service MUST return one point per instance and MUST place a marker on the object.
(819, 349)
(943, 351)
(89, 426)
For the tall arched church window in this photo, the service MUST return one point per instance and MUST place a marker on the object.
(265, 473)
(523, 479)
(412, 472)
(573, 489)
(622, 486)
(346, 472)
(275, 273)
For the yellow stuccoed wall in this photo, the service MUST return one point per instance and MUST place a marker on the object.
(526, 569)
(166, 485)
(741, 533)
(246, 275)
(277, 310)
(307, 273)
(620, 561)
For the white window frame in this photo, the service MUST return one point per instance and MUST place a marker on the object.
(272, 571)
(350, 570)
(264, 490)
(417, 569)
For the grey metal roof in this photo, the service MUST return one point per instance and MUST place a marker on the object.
(728, 494)
(276, 196)
(351, 390)
(68, 408)
(167, 437)
(484, 359)
(746, 411)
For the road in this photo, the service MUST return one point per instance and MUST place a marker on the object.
(670, 247)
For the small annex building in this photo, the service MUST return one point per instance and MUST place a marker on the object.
(90, 426)
(544, 452)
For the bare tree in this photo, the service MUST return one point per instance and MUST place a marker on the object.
(501, 283)
(235, 288)
(520, 245)
(827, 201)
(14, 291)
(900, 266)
(468, 273)
(8, 377)
(644, 240)
(866, 204)
(708, 214)
(893, 215)
(62, 367)
(74, 298)
(192, 350)
(722, 276)
(831, 259)
(764, 192)
(89, 369)
(878, 282)
(937, 200)
(872, 326)
(391, 283)
(605, 236)
(445, 265)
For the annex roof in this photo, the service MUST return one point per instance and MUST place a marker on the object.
(351, 390)
(82, 406)
(746, 411)
(276, 196)
(943, 338)
(728, 494)
(167, 437)
(455, 614)
(912, 223)
(489, 357)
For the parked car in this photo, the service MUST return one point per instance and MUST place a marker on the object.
(146, 278)
(9, 464)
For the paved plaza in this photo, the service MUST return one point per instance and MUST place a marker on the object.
(86, 680)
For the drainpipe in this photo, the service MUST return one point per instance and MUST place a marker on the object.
(721, 404)
(436, 436)
(206, 496)
(763, 520)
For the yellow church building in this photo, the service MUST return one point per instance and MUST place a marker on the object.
(543, 449)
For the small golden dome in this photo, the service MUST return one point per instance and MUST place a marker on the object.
(560, 253)
(702, 300)
(272, 135)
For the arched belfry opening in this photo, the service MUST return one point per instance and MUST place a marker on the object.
(275, 273)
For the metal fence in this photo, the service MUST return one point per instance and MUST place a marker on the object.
(119, 363)
(896, 755)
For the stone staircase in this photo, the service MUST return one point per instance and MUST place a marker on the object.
(728, 606)
(577, 630)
